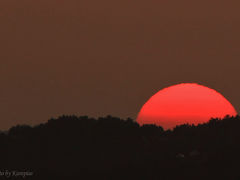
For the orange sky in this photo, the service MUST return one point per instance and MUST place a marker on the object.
(96, 58)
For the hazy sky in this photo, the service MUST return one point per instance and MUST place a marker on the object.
(100, 57)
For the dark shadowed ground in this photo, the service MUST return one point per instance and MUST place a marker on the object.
(110, 148)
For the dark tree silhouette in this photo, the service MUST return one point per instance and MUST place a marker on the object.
(72, 147)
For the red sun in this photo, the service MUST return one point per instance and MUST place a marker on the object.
(184, 103)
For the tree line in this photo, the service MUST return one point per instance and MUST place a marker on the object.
(113, 148)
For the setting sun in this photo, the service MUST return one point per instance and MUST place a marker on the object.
(184, 103)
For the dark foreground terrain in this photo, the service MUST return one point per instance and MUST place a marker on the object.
(73, 147)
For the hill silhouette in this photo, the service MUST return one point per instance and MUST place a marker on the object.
(72, 147)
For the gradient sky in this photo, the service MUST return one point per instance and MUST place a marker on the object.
(96, 58)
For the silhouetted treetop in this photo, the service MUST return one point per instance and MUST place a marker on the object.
(114, 148)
